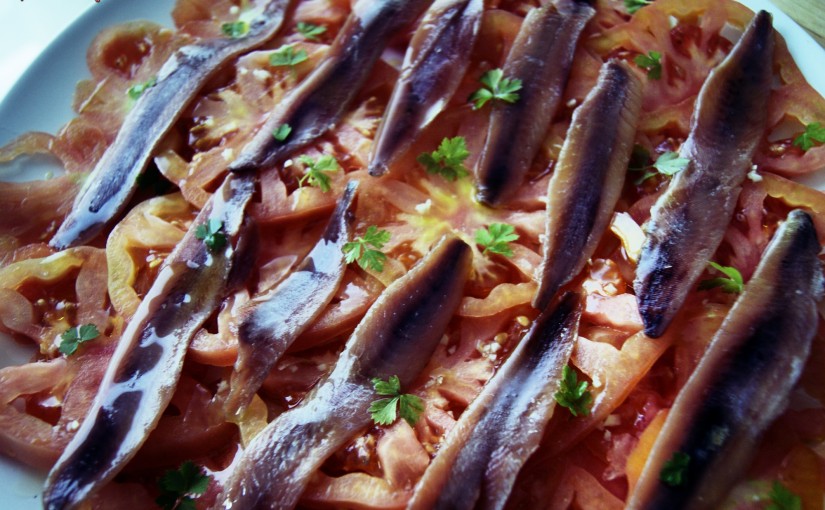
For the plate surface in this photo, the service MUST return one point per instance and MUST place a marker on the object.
(41, 101)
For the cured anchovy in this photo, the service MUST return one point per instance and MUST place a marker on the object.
(689, 220)
(146, 365)
(112, 182)
(434, 65)
(477, 465)
(541, 57)
(314, 106)
(588, 177)
(395, 338)
(272, 322)
(743, 381)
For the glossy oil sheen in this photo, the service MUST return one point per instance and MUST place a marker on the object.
(271, 323)
(396, 337)
(146, 365)
(745, 377)
(477, 465)
(688, 221)
(314, 106)
(588, 177)
(113, 181)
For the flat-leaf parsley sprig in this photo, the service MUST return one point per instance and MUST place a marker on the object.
(814, 134)
(652, 63)
(179, 488)
(235, 29)
(497, 238)
(73, 337)
(495, 86)
(731, 283)
(310, 30)
(448, 160)
(573, 394)
(212, 234)
(383, 411)
(673, 473)
(287, 55)
(316, 171)
(634, 5)
(668, 165)
(367, 250)
(783, 499)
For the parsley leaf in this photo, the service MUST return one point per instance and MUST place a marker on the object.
(283, 132)
(673, 472)
(573, 393)
(496, 86)
(634, 5)
(668, 164)
(383, 411)
(310, 30)
(814, 135)
(137, 90)
(287, 56)
(212, 235)
(496, 238)
(448, 160)
(73, 337)
(179, 488)
(359, 249)
(235, 29)
(315, 171)
(652, 63)
(732, 282)
(783, 499)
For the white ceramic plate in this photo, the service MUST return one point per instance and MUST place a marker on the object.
(41, 101)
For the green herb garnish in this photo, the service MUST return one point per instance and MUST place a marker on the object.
(668, 164)
(496, 86)
(573, 394)
(384, 411)
(235, 29)
(366, 250)
(316, 171)
(634, 5)
(73, 337)
(179, 488)
(135, 91)
(286, 55)
(310, 30)
(652, 63)
(212, 235)
(732, 282)
(497, 238)
(448, 160)
(282, 133)
(783, 499)
(673, 472)
(814, 135)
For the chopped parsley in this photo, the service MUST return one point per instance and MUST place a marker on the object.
(137, 90)
(495, 86)
(814, 135)
(212, 234)
(673, 472)
(652, 63)
(384, 412)
(286, 55)
(73, 337)
(316, 171)
(235, 29)
(732, 282)
(634, 5)
(283, 132)
(573, 394)
(179, 488)
(309, 30)
(367, 250)
(448, 160)
(497, 238)
(783, 499)
(668, 164)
